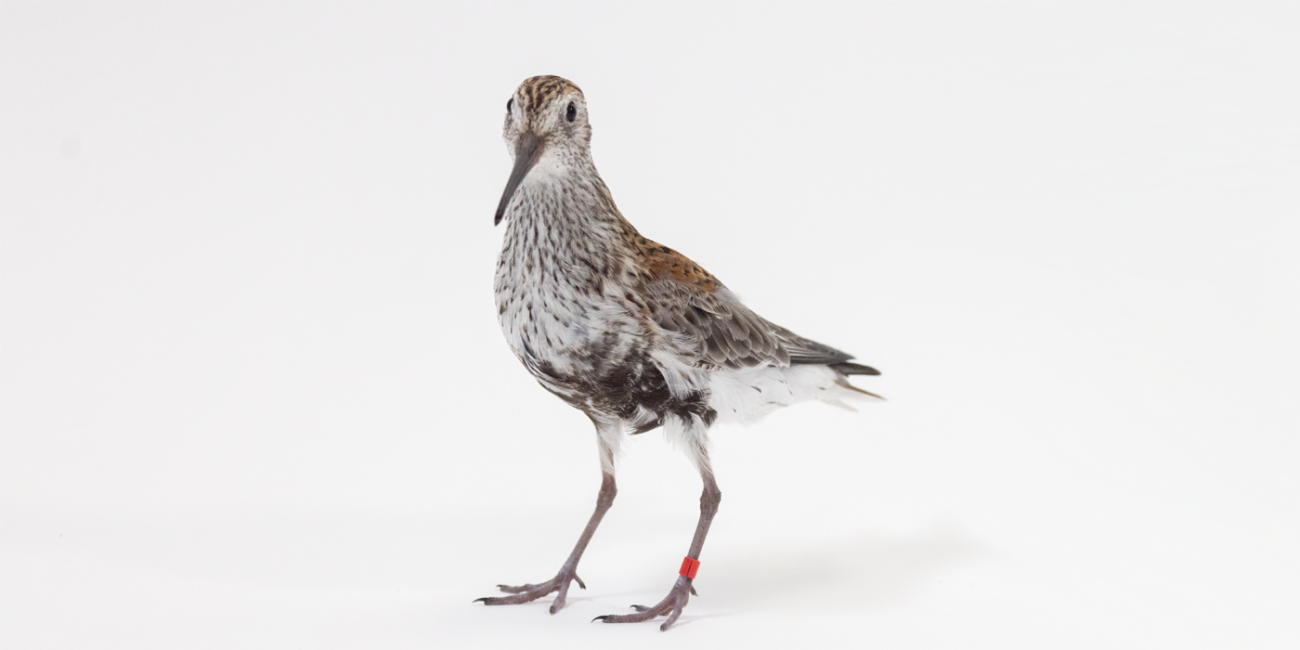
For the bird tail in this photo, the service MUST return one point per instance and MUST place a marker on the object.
(846, 368)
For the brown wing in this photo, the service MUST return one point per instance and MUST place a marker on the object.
(685, 299)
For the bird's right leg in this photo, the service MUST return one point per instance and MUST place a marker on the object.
(568, 572)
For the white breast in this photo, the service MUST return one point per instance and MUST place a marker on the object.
(553, 303)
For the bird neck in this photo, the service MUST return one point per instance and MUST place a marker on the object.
(568, 210)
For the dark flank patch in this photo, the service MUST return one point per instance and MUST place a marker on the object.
(635, 385)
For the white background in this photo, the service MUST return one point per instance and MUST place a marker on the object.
(253, 392)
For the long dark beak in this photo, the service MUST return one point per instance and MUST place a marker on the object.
(527, 151)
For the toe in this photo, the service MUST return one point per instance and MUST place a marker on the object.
(672, 618)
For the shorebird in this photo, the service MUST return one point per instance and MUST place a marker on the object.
(631, 332)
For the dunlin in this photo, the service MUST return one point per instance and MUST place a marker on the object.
(631, 332)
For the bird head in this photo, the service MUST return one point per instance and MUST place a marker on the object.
(546, 130)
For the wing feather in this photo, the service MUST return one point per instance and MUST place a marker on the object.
(717, 328)
(724, 333)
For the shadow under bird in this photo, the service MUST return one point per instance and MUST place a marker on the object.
(633, 333)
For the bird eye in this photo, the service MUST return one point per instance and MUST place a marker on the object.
(509, 103)
(572, 112)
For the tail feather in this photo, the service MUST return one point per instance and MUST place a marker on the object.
(747, 394)
(844, 383)
(854, 369)
(845, 369)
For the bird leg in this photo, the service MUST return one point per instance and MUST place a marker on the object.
(677, 597)
(568, 572)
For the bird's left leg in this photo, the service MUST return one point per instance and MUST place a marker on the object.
(677, 597)
(608, 440)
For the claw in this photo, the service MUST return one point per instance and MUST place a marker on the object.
(579, 580)
(530, 592)
(671, 605)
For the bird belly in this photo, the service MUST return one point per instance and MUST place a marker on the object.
(595, 355)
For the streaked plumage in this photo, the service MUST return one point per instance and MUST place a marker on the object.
(634, 333)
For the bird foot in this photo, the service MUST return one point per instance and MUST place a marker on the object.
(671, 605)
(530, 592)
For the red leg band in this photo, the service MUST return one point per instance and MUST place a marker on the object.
(689, 568)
